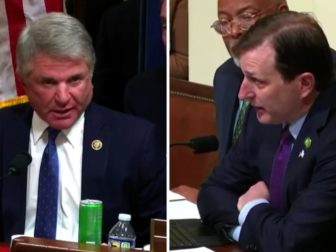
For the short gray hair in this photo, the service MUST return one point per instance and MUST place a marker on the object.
(56, 34)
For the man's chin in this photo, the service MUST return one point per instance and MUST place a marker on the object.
(267, 119)
(61, 124)
(263, 117)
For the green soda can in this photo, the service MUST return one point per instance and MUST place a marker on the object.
(90, 221)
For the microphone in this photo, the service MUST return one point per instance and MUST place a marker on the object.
(201, 144)
(19, 163)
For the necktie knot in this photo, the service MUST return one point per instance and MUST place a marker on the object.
(286, 137)
(52, 134)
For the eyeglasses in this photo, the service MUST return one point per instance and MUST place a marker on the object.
(243, 21)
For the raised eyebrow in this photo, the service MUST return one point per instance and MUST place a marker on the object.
(248, 74)
(251, 76)
(246, 9)
(75, 77)
(46, 79)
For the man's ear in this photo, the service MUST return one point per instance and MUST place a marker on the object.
(283, 6)
(307, 84)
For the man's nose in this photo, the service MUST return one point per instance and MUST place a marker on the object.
(235, 29)
(62, 92)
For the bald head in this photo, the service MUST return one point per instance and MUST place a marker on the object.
(239, 15)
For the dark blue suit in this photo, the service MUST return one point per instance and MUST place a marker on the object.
(307, 219)
(127, 174)
(228, 78)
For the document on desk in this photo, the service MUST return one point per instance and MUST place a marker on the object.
(173, 196)
(182, 209)
(201, 249)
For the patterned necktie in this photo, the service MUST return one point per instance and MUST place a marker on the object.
(279, 166)
(240, 121)
(46, 213)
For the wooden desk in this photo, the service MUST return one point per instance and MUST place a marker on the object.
(31, 244)
(227, 248)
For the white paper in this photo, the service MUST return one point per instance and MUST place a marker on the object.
(182, 209)
(201, 249)
(174, 196)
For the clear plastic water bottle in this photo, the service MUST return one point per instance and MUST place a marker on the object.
(122, 234)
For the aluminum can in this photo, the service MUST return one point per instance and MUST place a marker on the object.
(90, 221)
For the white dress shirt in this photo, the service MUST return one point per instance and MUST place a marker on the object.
(69, 149)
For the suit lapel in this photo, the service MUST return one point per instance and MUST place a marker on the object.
(305, 145)
(95, 153)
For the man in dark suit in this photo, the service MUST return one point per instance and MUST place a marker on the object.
(234, 19)
(228, 76)
(102, 154)
(289, 81)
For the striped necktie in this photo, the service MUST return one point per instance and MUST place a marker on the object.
(46, 213)
(240, 121)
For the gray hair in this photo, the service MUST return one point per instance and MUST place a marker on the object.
(55, 34)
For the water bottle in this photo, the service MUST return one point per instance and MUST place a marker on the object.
(122, 234)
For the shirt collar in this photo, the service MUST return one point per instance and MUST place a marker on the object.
(71, 134)
(295, 127)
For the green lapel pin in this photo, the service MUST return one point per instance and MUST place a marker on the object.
(308, 142)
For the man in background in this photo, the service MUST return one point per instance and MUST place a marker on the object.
(179, 39)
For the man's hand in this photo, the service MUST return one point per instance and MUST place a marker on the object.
(257, 191)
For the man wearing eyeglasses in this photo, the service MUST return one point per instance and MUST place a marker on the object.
(234, 18)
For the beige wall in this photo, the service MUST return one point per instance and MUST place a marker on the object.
(207, 50)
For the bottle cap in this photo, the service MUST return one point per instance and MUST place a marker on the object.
(124, 217)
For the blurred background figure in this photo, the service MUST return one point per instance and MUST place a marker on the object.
(145, 94)
(179, 39)
(128, 43)
(90, 13)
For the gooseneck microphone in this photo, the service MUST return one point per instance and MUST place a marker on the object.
(19, 164)
(200, 144)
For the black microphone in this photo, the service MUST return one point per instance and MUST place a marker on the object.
(201, 144)
(19, 163)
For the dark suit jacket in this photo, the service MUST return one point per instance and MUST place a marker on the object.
(228, 78)
(127, 174)
(307, 219)
(145, 96)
